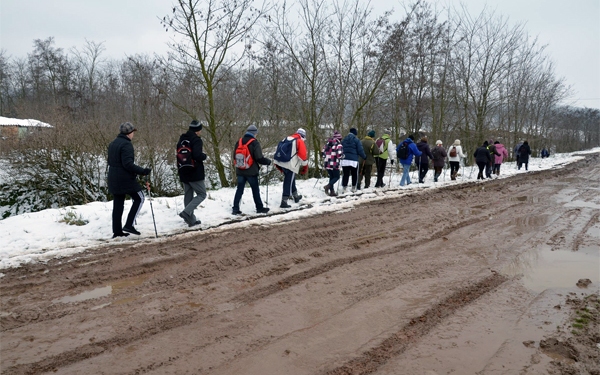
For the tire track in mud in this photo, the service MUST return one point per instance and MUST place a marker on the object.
(371, 360)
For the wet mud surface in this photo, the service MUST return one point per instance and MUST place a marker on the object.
(430, 282)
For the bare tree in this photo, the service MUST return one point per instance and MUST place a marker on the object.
(210, 30)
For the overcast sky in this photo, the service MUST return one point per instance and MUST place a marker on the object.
(571, 29)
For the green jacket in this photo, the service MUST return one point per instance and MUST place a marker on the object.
(371, 150)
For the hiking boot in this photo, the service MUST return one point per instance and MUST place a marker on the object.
(297, 198)
(186, 217)
(120, 235)
(236, 212)
(353, 189)
(326, 187)
(262, 210)
(284, 203)
(332, 193)
(197, 222)
(131, 230)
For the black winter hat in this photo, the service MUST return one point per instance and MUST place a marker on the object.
(195, 126)
(354, 131)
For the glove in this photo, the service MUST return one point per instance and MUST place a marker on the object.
(392, 161)
(147, 171)
(267, 162)
(304, 169)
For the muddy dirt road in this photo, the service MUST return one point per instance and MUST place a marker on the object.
(431, 282)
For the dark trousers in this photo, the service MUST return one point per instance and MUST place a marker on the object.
(365, 171)
(381, 164)
(454, 168)
(481, 165)
(488, 170)
(334, 176)
(349, 171)
(119, 206)
(241, 184)
(289, 183)
(423, 169)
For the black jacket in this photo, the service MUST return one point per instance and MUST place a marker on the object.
(482, 155)
(425, 153)
(257, 156)
(121, 167)
(524, 152)
(197, 173)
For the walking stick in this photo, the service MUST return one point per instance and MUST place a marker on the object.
(151, 208)
(267, 198)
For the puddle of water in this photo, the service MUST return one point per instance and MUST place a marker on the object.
(547, 269)
(113, 288)
(90, 294)
(531, 221)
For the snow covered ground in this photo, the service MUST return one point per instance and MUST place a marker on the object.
(44, 235)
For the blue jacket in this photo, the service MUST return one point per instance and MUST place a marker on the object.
(353, 148)
(412, 151)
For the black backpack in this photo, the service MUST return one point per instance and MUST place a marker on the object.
(185, 159)
(402, 150)
(437, 153)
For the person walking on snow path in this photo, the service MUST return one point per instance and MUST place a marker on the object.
(389, 153)
(366, 165)
(297, 164)
(353, 149)
(524, 152)
(122, 172)
(412, 150)
(192, 176)
(455, 153)
(482, 158)
(498, 159)
(493, 153)
(250, 175)
(333, 153)
(422, 161)
(439, 159)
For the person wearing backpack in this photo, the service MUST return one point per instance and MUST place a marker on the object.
(516, 152)
(333, 153)
(454, 154)
(439, 159)
(482, 158)
(405, 151)
(291, 160)
(498, 159)
(387, 151)
(545, 153)
(122, 172)
(422, 160)
(247, 156)
(191, 174)
(366, 165)
(524, 152)
(353, 149)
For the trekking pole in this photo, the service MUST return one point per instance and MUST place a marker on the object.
(151, 208)
(267, 199)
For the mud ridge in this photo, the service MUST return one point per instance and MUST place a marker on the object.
(418, 327)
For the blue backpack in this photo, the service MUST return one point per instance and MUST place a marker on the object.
(286, 150)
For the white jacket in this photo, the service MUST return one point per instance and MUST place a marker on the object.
(459, 153)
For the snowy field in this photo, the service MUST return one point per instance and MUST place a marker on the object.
(44, 235)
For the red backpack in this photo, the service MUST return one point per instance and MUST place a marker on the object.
(242, 157)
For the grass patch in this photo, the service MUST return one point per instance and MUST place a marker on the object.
(71, 218)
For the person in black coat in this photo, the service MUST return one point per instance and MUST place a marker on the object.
(482, 158)
(524, 152)
(423, 160)
(250, 175)
(122, 181)
(192, 178)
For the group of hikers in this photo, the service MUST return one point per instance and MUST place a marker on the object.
(349, 158)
